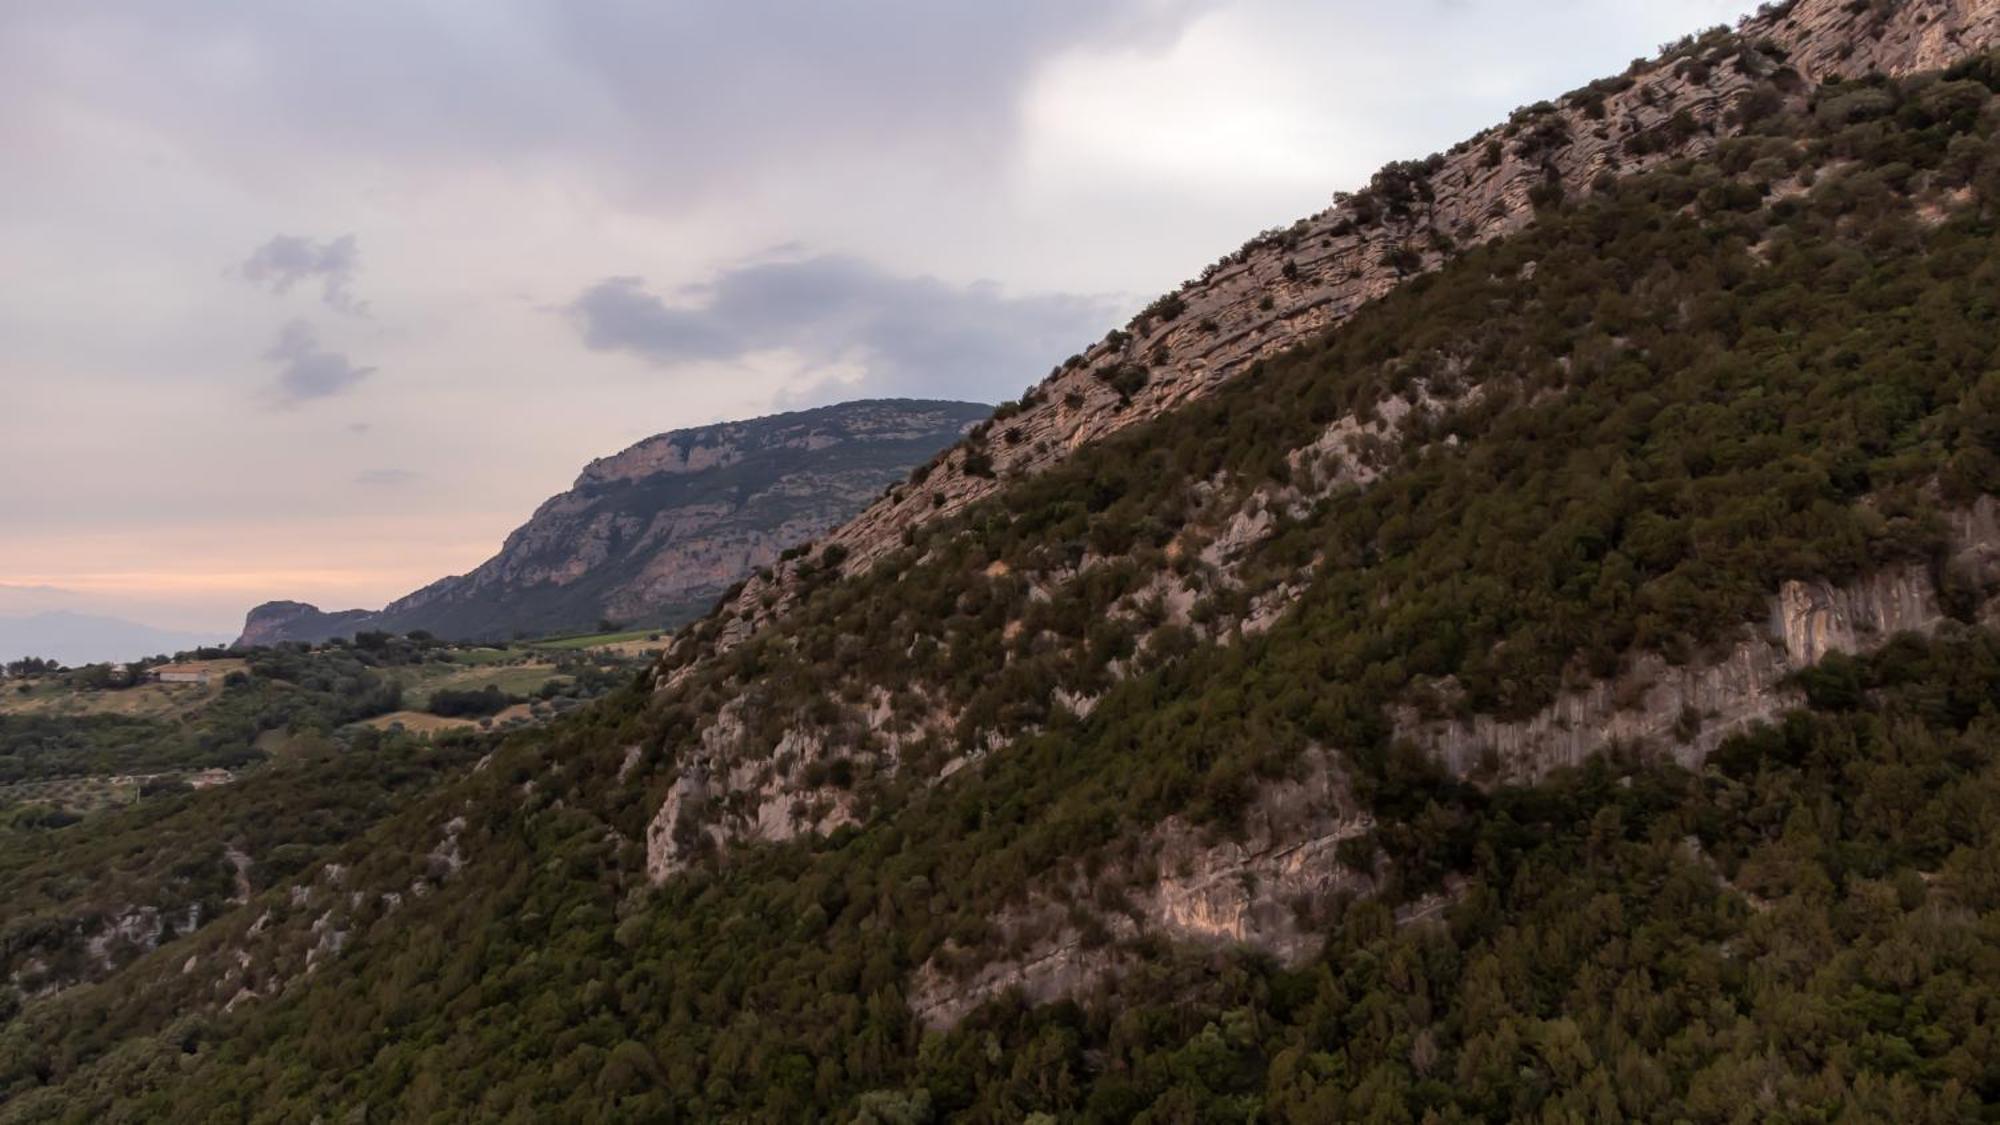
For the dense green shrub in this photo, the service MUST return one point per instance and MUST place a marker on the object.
(470, 703)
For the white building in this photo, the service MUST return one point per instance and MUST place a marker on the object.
(181, 674)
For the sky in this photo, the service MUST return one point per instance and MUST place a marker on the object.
(318, 301)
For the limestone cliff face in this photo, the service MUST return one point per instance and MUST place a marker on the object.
(1288, 284)
(1266, 890)
(1688, 711)
(654, 534)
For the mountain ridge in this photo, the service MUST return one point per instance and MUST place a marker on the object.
(1287, 284)
(649, 535)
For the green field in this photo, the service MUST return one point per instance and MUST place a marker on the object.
(75, 794)
(514, 679)
(483, 656)
(257, 706)
(597, 640)
(53, 696)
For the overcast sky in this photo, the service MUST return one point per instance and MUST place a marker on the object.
(320, 300)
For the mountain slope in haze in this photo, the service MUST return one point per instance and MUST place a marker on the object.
(652, 535)
(1566, 689)
(83, 638)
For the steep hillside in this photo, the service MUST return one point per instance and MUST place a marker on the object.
(652, 535)
(1288, 284)
(1565, 688)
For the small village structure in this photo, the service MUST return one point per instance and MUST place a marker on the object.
(181, 673)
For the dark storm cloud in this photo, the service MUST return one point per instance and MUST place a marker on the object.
(289, 259)
(912, 335)
(307, 371)
(777, 76)
(679, 98)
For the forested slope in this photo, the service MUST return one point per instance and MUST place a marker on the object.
(1112, 795)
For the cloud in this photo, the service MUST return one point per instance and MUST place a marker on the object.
(685, 98)
(385, 478)
(505, 155)
(908, 335)
(289, 259)
(307, 371)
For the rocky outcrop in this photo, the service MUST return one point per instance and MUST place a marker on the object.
(1687, 711)
(1289, 284)
(652, 535)
(1814, 619)
(767, 784)
(1266, 888)
(1887, 36)
(275, 622)
(723, 796)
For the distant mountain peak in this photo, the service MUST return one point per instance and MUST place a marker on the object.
(652, 534)
(700, 448)
(272, 622)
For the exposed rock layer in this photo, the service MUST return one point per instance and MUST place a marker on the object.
(1260, 890)
(1255, 891)
(1688, 711)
